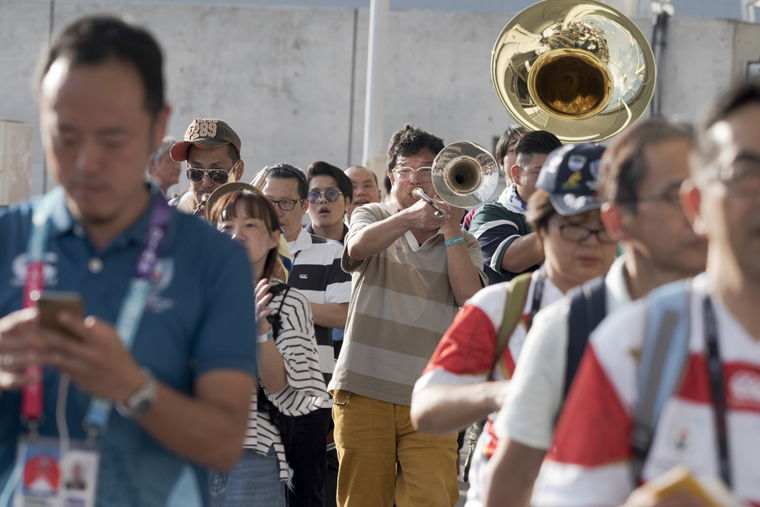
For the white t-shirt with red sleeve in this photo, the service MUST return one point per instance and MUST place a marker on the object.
(465, 355)
(590, 461)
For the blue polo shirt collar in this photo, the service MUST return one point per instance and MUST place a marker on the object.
(63, 222)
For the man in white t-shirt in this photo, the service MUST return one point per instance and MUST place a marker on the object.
(591, 461)
(641, 174)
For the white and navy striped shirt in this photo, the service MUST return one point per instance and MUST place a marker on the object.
(305, 390)
(317, 273)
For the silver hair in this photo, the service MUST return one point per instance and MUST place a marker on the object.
(166, 144)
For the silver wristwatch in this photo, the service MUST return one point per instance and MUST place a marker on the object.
(140, 403)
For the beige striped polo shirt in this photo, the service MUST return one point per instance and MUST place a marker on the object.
(401, 305)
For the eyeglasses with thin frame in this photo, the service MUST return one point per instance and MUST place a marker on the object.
(579, 234)
(215, 176)
(286, 204)
(671, 196)
(331, 195)
(742, 177)
(405, 173)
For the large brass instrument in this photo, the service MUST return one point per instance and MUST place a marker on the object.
(578, 68)
(464, 175)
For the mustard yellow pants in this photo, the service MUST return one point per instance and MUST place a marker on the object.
(373, 437)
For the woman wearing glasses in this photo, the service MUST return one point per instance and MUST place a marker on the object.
(290, 383)
(465, 380)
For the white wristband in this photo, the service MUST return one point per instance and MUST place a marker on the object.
(264, 337)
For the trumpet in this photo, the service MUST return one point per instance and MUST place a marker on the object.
(464, 175)
(204, 200)
(418, 194)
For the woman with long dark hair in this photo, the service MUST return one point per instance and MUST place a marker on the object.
(290, 381)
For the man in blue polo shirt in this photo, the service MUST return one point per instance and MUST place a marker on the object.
(182, 387)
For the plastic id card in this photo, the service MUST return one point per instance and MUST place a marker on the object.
(51, 479)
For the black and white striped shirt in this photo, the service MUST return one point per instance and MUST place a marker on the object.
(317, 273)
(305, 390)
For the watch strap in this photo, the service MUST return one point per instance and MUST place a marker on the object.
(139, 404)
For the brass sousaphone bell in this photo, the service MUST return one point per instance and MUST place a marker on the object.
(579, 69)
(464, 175)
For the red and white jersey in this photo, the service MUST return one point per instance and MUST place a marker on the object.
(465, 355)
(590, 461)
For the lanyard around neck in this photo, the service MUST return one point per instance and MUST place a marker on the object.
(130, 313)
(715, 370)
(34, 284)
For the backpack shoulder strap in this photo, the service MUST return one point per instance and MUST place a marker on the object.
(517, 294)
(588, 307)
(663, 356)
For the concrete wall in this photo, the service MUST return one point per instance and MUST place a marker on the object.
(292, 81)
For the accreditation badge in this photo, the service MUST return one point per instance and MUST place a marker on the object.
(50, 478)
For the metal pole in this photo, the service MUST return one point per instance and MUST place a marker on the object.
(748, 10)
(373, 157)
(660, 26)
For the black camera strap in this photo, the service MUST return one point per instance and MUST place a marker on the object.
(715, 370)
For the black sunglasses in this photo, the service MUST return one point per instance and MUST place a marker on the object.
(216, 176)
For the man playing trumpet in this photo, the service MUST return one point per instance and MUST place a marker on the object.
(411, 273)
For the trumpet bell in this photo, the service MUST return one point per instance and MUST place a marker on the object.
(465, 174)
(578, 68)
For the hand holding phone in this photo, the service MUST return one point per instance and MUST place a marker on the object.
(51, 302)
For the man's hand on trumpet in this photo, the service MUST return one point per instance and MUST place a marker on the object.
(455, 215)
(422, 216)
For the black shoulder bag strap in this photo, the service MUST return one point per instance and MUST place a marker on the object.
(588, 308)
(663, 359)
(715, 369)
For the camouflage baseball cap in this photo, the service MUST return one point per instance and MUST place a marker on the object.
(207, 133)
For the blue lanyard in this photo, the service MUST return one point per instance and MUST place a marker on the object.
(38, 238)
(133, 306)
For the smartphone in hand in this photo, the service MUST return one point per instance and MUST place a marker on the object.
(51, 302)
